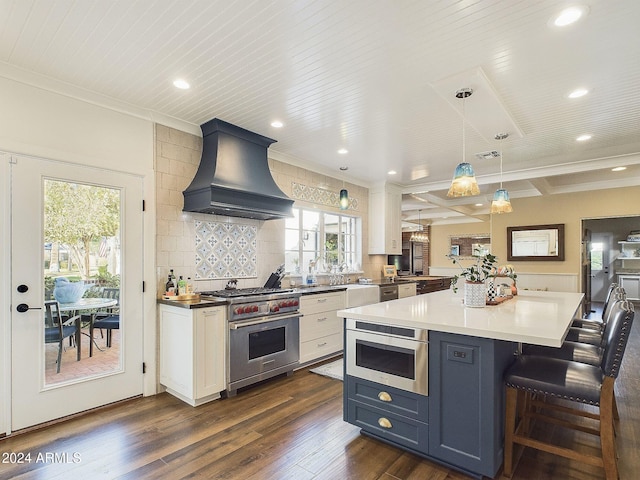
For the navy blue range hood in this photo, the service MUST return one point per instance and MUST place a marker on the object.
(233, 178)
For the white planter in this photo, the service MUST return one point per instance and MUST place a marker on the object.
(475, 294)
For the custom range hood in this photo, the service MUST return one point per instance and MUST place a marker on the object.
(233, 177)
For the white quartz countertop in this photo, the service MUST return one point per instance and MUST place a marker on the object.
(540, 318)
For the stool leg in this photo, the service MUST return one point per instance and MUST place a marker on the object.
(509, 429)
(607, 435)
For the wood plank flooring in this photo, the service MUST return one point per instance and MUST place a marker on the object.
(287, 428)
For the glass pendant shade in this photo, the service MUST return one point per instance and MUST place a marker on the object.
(419, 237)
(464, 182)
(501, 202)
(344, 199)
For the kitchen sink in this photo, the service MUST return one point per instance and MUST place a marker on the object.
(359, 295)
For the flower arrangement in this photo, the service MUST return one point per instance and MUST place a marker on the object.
(483, 268)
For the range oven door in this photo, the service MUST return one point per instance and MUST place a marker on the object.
(398, 357)
(262, 348)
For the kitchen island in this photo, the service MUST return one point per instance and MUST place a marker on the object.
(459, 421)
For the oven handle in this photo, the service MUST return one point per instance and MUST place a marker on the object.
(260, 320)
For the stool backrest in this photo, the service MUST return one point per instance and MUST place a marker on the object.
(616, 335)
(612, 287)
(618, 293)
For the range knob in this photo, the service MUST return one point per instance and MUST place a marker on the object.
(275, 308)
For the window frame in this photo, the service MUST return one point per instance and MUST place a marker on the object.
(349, 243)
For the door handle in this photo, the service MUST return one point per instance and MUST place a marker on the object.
(23, 307)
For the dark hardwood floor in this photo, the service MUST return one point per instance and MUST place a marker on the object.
(287, 428)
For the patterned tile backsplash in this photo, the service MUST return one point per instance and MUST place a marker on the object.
(225, 250)
(320, 195)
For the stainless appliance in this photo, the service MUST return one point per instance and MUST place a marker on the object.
(394, 356)
(263, 334)
(388, 292)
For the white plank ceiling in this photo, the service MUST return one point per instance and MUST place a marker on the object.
(377, 77)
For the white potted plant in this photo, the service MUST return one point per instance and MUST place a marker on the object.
(475, 276)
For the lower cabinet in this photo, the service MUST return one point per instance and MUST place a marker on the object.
(192, 352)
(631, 285)
(320, 327)
(433, 285)
(460, 423)
(406, 290)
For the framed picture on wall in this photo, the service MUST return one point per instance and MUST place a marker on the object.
(455, 250)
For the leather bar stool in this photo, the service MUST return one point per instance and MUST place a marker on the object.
(593, 336)
(589, 351)
(597, 323)
(534, 381)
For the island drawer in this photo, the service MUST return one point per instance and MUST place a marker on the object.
(389, 399)
(394, 428)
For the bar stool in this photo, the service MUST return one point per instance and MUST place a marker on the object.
(545, 378)
(593, 336)
(597, 323)
(589, 351)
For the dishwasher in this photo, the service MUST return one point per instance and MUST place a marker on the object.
(388, 292)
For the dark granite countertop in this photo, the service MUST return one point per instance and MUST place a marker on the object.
(189, 304)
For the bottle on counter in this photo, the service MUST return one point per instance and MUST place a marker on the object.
(170, 287)
(189, 286)
(182, 286)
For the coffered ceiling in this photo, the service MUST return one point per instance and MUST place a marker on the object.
(376, 77)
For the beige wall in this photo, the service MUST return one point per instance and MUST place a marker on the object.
(569, 209)
(177, 158)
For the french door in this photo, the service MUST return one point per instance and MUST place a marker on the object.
(74, 228)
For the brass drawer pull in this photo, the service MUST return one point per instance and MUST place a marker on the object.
(384, 422)
(384, 397)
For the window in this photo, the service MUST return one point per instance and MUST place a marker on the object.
(596, 256)
(322, 239)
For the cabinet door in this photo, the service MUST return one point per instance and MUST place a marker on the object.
(466, 400)
(176, 350)
(210, 352)
(408, 290)
(631, 285)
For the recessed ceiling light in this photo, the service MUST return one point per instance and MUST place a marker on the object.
(570, 15)
(479, 204)
(618, 169)
(277, 124)
(583, 138)
(578, 92)
(181, 84)
(391, 172)
(343, 151)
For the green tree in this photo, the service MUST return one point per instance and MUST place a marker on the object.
(76, 214)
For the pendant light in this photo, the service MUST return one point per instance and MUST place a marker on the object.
(344, 195)
(464, 182)
(501, 202)
(419, 236)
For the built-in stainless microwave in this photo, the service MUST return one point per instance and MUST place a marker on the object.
(389, 355)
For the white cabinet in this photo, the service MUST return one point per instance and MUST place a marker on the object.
(192, 352)
(320, 327)
(406, 290)
(385, 228)
(631, 285)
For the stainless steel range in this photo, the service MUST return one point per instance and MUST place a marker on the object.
(263, 334)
